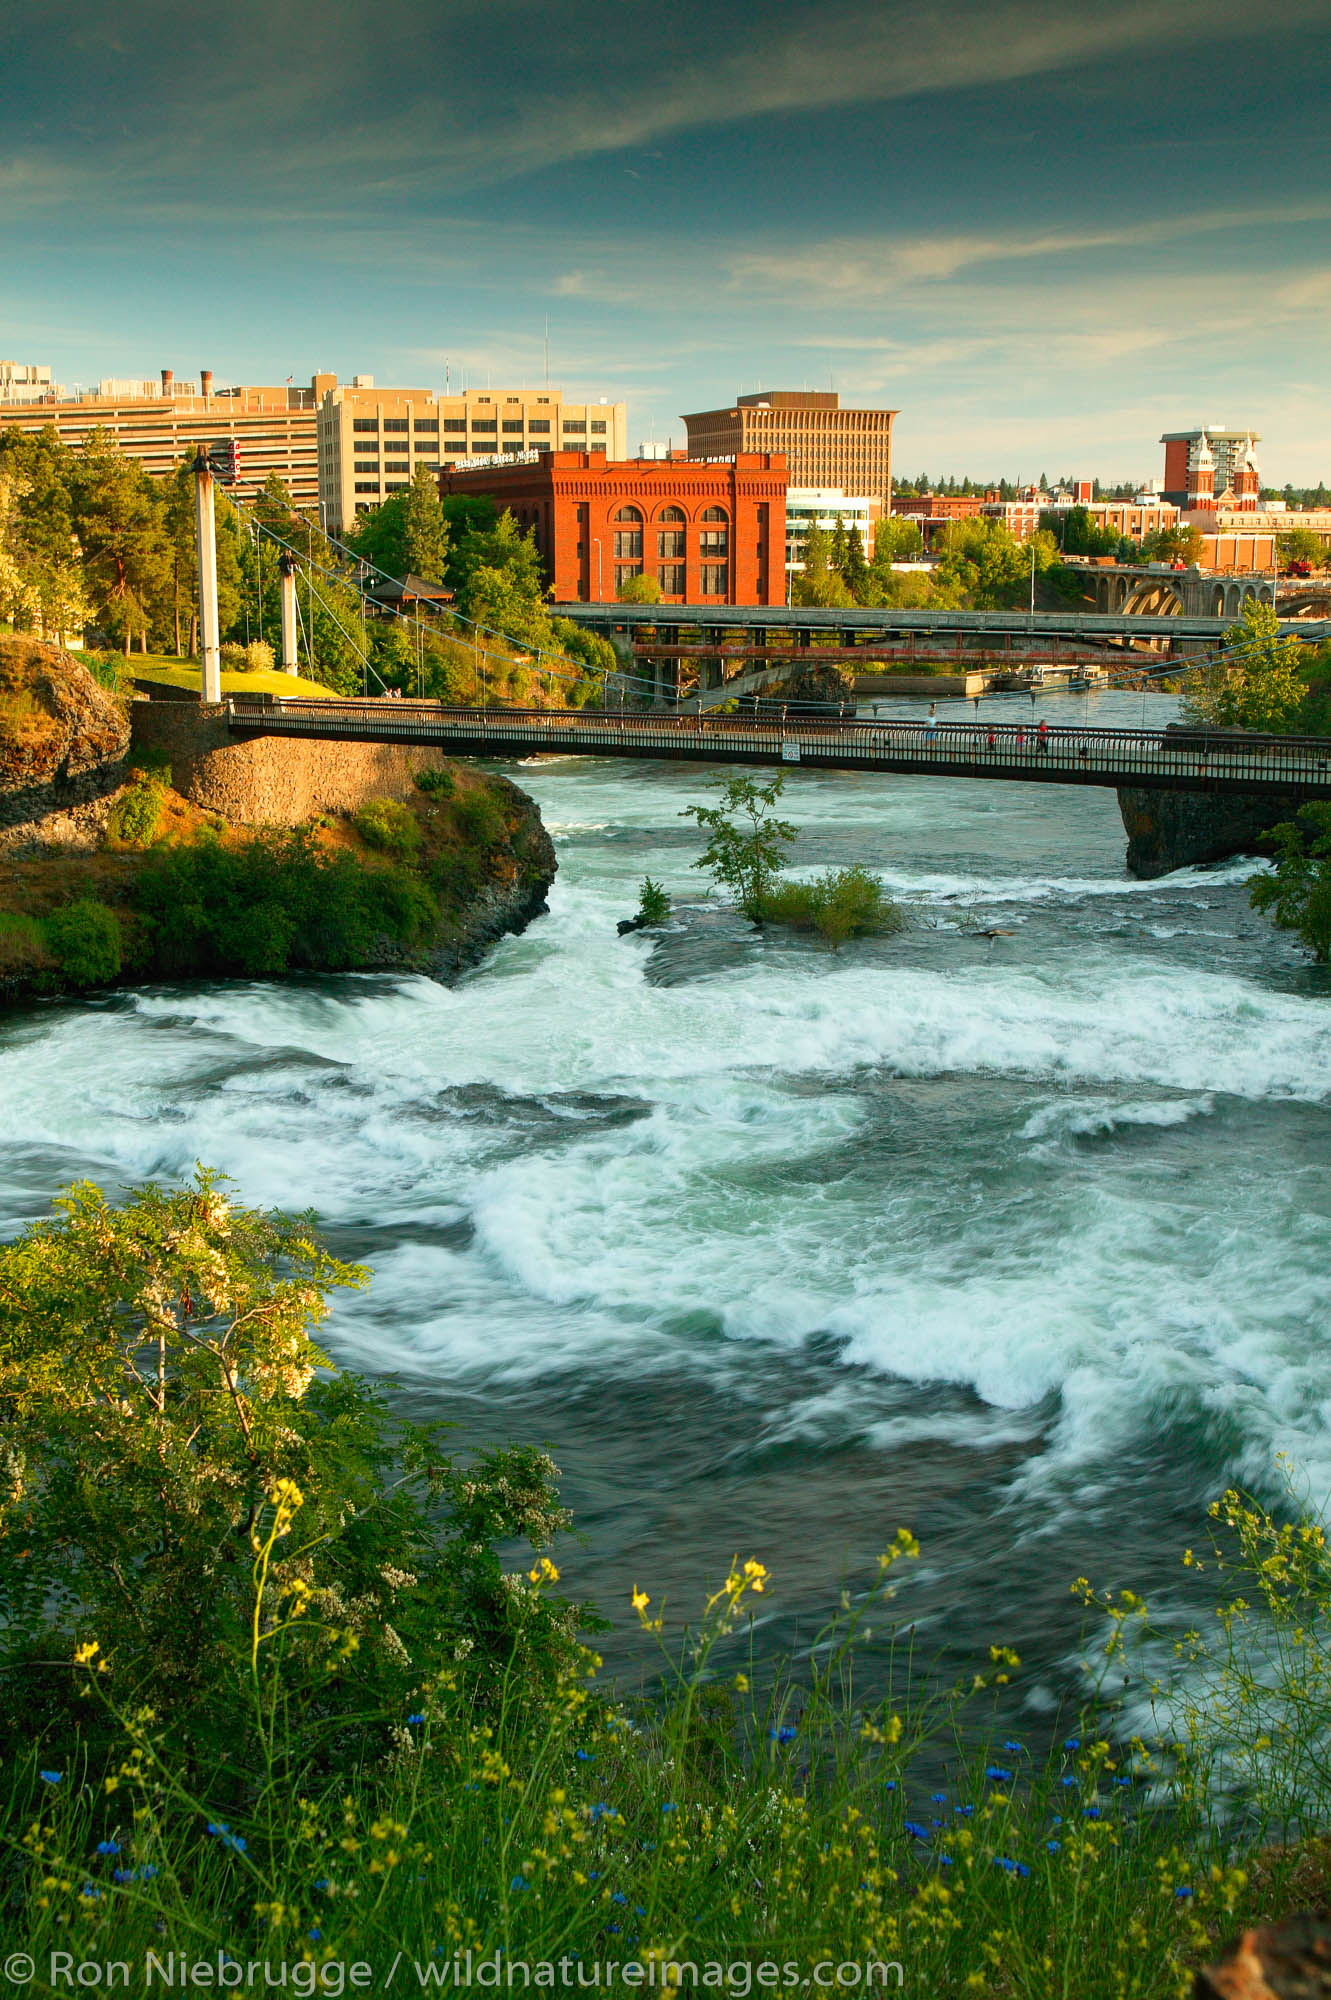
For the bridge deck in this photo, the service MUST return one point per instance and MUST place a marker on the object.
(1192, 761)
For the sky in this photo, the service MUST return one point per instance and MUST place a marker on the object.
(1045, 231)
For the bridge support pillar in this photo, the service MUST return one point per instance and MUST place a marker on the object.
(287, 569)
(1168, 830)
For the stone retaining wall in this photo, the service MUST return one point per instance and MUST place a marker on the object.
(271, 780)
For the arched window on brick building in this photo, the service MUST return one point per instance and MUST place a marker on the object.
(628, 538)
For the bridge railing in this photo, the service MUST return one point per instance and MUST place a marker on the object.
(1177, 752)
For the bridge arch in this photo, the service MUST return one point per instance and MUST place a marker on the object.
(1232, 600)
(1152, 597)
(1218, 600)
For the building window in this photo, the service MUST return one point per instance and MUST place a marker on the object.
(365, 423)
(713, 579)
(541, 424)
(574, 428)
(582, 550)
(598, 427)
(714, 514)
(671, 514)
(367, 485)
(670, 542)
(455, 423)
(714, 542)
(670, 576)
(396, 424)
(513, 447)
(623, 571)
(629, 543)
(629, 514)
(513, 425)
(488, 424)
(396, 485)
(430, 464)
(425, 424)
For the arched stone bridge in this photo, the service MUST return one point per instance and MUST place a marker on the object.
(1154, 590)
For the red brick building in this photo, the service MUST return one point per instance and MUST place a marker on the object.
(707, 531)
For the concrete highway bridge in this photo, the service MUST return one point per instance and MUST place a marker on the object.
(1156, 590)
(1183, 760)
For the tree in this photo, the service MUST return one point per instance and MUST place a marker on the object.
(1258, 685)
(1298, 893)
(171, 1430)
(425, 531)
(818, 582)
(1081, 536)
(639, 589)
(854, 569)
(837, 554)
(44, 585)
(1176, 544)
(1301, 545)
(744, 852)
(118, 516)
(896, 539)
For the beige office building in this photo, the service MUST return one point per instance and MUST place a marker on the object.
(162, 422)
(825, 446)
(372, 440)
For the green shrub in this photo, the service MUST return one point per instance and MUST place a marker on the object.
(388, 826)
(23, 945)
(277, 903)
(480, 817)
(436, 784)
(653, 902)
(84, 940)
(232, 657)
(456, 874)
(259, 657)
(137, 813)
(844, 903)
(1298, 893)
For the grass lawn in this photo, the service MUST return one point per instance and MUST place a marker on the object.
(185, 674)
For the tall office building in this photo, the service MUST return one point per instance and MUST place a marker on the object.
(1212, 467)
(372, 440)
(825, 446)
(159, 423)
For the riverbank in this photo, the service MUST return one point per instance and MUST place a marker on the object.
(139, 843)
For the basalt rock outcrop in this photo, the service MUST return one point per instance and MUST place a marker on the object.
(1168, 830)
(63, 738)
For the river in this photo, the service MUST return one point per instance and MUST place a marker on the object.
(1018, 1241)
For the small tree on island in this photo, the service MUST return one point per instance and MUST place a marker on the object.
(745, 851)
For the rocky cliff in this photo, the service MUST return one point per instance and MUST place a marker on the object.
(63, 739)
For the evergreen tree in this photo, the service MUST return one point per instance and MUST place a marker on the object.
(838, 554)
(424, 529)
(855, 569)
(119, 518)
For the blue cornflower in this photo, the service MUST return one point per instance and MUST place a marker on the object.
(891, 1785)
(1054, 1846)
(965, 1811)
(998, 1774)
(1183, 1894)
(321, 1884)
(1072, 1743)
(913, 1827)
(1020, 1748)
(1122, 1781)
(785, 1734)
(89, 1894)
(944, 1860)
(1090, 1812)
(417, 1718)
(50, 1777)
(938, 1798)
(604, 1812)
(669, 1806)
(108, 1847)
(613, 1929)
(1010, 1867)
(619, 1897)
(584, 1756)
(314, 1935)
(519, 1882)
(221, 1831)
(1068, 1783)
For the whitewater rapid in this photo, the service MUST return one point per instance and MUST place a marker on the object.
(1016, 1240)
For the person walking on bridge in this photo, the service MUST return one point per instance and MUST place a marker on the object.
(1042, 738)
(931, 724)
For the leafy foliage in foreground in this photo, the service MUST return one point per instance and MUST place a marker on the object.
(1298, 893)
(270, 1690)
